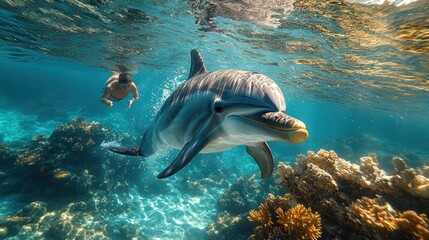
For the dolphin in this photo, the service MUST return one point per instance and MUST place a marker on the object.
(216, 111)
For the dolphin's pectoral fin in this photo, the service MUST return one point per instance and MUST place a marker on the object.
(261, 153)
(197, 64)
(126, 151)
(188, 152)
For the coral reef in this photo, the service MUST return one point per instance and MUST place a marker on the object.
(408, 179)
(24, 219)
(234, 205)
(78, 135)
(278, 220)
(360, 200)
(7, 157)
(424, 171)
(380, 221)
(412, 225)
(67, 159)
(67, 185)
(228, 226)
(7, 163)
(300, 222)
(373, 215)
(74, 221)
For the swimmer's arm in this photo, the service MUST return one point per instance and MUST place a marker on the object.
(135, 95)
(105, 96)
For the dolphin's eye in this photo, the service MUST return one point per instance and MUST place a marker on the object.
(218, 107)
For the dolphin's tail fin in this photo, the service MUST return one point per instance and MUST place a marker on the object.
(126, 151)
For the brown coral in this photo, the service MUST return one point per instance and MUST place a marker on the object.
(367, 211)
(381, 221)
(28, 159)
(413, 225)
(263, 216)
(409, 180)
(276, 223)
(315, 184)
(266, 215)
(300, 222)
(425, 170)
(355, 180)
(399, 165)
(341, 192)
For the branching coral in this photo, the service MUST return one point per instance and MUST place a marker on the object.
(367, 212)
(412, 225)
(300, 222)
(381, 221)
(274, 222)
(263, 216)
(267, 211)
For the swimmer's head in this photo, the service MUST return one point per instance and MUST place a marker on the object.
(125, 78)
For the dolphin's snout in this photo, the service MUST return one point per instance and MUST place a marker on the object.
(294, 130)
(283, 121)
(298, 136)
(300, 133)
(297, 124)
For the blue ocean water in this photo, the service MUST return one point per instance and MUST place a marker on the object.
(356, 73)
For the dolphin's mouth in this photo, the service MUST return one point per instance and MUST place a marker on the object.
(294, 129)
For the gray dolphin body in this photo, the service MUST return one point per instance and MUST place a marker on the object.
(216, 111)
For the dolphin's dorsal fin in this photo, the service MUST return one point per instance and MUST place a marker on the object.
(197, 64)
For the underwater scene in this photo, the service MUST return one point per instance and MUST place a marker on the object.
(214, 119)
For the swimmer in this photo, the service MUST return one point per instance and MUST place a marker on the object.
(118, 87)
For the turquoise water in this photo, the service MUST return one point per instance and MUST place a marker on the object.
(355, 73)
